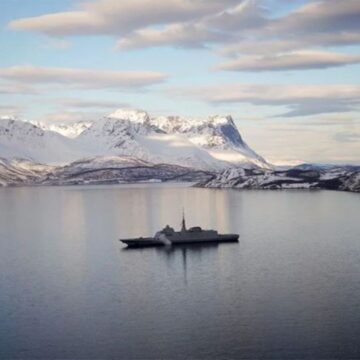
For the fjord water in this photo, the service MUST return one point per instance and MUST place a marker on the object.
(69, 289)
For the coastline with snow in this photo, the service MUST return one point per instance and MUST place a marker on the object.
(130, 146)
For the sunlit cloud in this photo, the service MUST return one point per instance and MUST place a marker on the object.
(117, 17)
(178, 35)
(218, 27)
(319, 17)
(81, 78)
(233, 27)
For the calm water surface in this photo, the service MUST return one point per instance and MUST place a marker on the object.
(69, 289)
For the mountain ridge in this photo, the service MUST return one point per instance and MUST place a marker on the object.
(130, 146)
(212, 143)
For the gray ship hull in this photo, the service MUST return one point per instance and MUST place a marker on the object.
(180, 239)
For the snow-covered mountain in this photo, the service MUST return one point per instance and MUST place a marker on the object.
(71, 131)
(207, 144)
(346, 178)
(214, 142)
(20, 139)
(131, 146)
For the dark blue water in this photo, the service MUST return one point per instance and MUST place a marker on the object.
(68, 289)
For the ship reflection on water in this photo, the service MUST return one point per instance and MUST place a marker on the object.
(187, 254)
(184, 254)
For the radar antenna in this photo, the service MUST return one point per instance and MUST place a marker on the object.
(183, 225)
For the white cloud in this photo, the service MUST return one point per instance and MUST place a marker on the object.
(270, 46)
(69, 117)
(180, 35)
(241, 26)
(293, 41)
(7, 88)
(300, 100)
(299, 60)
(115, 17)
(213, 28)
(319, 17)
(11, 110)
(91, 104)
(81, 78)
(245, 15)
(280, 42)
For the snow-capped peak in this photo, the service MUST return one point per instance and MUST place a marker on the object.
(70, 130)
(133, 115)
(221, 120)
(12, 127)
(206, 143)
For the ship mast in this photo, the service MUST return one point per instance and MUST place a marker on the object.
(183, 225)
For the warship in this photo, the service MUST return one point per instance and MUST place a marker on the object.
(168, 236)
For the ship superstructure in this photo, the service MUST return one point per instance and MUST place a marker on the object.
(168, 236)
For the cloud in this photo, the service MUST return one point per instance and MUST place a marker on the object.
(319, 106)
(270, 46)
(295, 41)
(333, 120)
(310, 144)
(326, 16)
(235, 27)
(11, 110)
(299, 60)
(245, 15)
(13, 89)
(81, 78)
(347, 137)
(113, 17)
(300, 100)
(214, 28)
(318, 24)
(69, 117)
(179, 35)
(92, 104)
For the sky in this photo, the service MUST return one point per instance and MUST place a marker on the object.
(287, 71)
